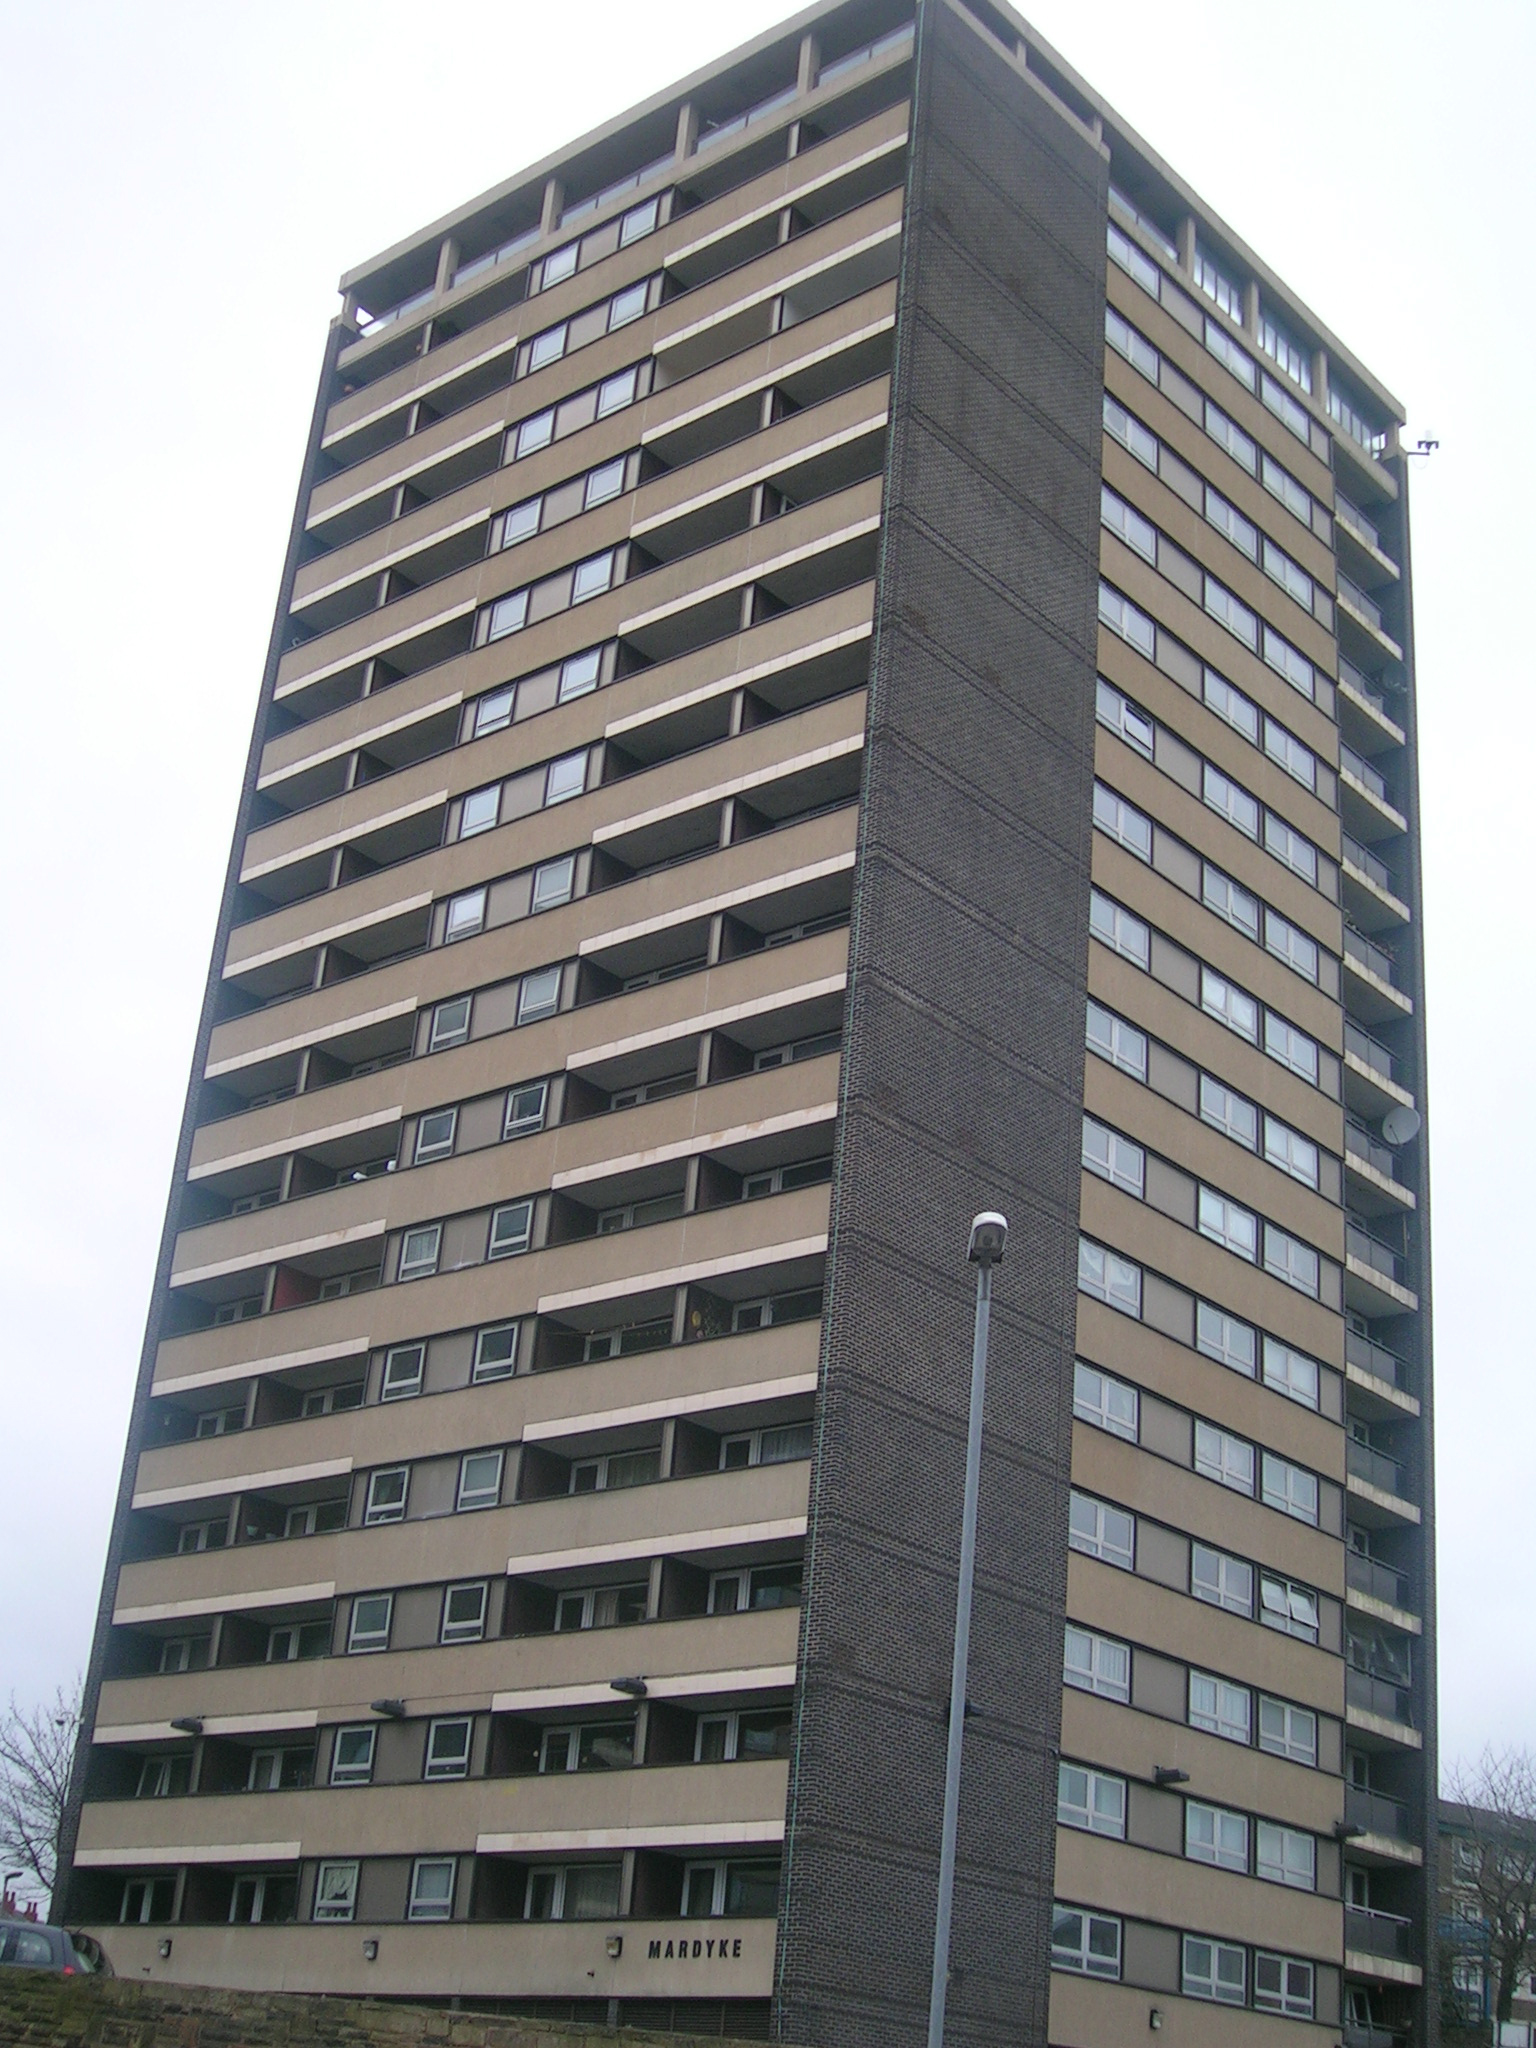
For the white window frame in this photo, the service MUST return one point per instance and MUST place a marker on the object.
(356, 1773)
(440, 1147)
(480, 811)
(1288, 1606)
(1215, 1329)
(511, 1229)
(1229, 1224)
(1290, 1488)
(470, 1629)
(1097, 1529)
(456, 1764)
(420, 1249)
(1291, 1731)
(533, 1004)
(379, 1508)
(593, 577)
(1221, 1707)
(1105, 1402)
(335, 1890)
(1216, 1835)
(1229, 1004)
(1291, 1152)
(1285, 1993)
(1287, 1258)
(1285, 1856)
(1107, 1277)
(471, 1499)
(1229, 800)
(1117, 1041)
(1291, 1373)
(1229, 901)
(1126, 720)
(423, 1905)
(1202, 1976)
(1114, 1158)
(1226, 1458)
(402, 1386)
(367, 1643)
(1229, 704)
(1120, 820)
(1290, 1047)
(496, 1368)
(1228, 1112)
(1081, 1958)
(1127, 525)
(1120, 929)
(1092, 1801)
(443, 1035)
(523, 1125)
(1099, 1661)
(1229, 1586)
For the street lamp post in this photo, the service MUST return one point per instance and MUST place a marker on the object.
(989, 1236)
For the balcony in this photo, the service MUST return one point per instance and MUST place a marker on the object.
(1366, 701)
(1364, 611)
(1378, 1581)
(1375, 1814)
(1376, 1275)
(1373, 1075)
(1369, 1933)
(1355, 2036)
(1373, 991)
(1375, 1468)
(1381, 1697)
(1372, 896)
(1375, 1360)
(1375, 1189)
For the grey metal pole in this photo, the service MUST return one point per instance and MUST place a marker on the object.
(941, 1923)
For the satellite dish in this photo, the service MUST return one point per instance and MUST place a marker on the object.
(1400, 1126)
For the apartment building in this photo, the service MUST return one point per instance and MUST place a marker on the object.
(1486, 1875)
(844, 658)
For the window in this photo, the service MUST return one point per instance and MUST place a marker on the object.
(1118, 929)
(1231, 800)
(1100, 1531)
(464, 1609)
(1107, 1403)
(616, 1469)
(768, 1585)
(1285, 350)
(1229, 1224)
(1088, 1943)
(1131, 259)
(539, 995)
(525, 1109)
(511, 1229)
(604, 1746)
(565, 778)
(1113, 1158)
(1292, 1048)
(1282, 485)
(508, 614)
(1223, 1457)
(447, 1754)
(1092, 1800)
(1122, 821)
(479, 1480)
(386, 1495)
(549, 346)
(637, 222)
(434, 1134)
(518, 522)
(352, 1756)
(494, 712)
(403, 1366)
(1108, 1277)
(1289, 662)
(745, 1890)
(1291, 1373)
(1127, 341)
(1287, 943)
(576, 1891)
(1230, 900)
(1097, 1664)
(579, 674)
(1219, 1707)
(1113, 1039)
(1227, 1003)
(1230, 1342)
(627, 305)
(1122, 617)
(559, 265)
(1232, 705)
(733, 1738)
(777, 1446)
(1220, 1580)
(601, 1607)
(1125, 718)
(617, 391)
(554, 883)
(1286, 1856)
(432, 1888)
(1215, 1969)
(1287, 845)
(603, 484)
(1136, 439)
(297, 1640)
(480, 811)
(592, 576)
(335, 1891)
(369, 1628)
(778, 1308)
(1227, 434)
(1218, 285)
(333, 1400)
(195, 1536)
(1291, 1261)
(1214, 1834)
(1288, 1731)
(1227, 1111)
(450, 1024)
(1290, 1488)
(418, 1251)
(1282, 1984)
(495, 1353)
(1228, 610)
(164, 1777)
(1227, 520)
(1127, 524)
(1286, 1606)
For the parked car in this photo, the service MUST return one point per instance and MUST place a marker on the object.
(28, 1945)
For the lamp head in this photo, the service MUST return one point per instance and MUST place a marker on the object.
(989, 1237)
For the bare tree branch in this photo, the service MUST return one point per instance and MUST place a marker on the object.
(1497, 1867)
(37, 1752)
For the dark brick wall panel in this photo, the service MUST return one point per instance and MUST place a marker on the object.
(963, 1076)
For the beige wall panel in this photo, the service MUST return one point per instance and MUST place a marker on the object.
(1124, 1879)
(458, 1678)
(1099, 1732)
(1139, 1612)
(488, 1958)
(1085, 2014)
(1119, 1472)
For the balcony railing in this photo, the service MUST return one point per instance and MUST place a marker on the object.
(1356, 2036)
(1370, 1251)
(1370, 1051)
(1352, 517)
(1362, 770)
(1360, 1144)
(1370, 1933)
(1369, 863)
(1375, 1359)
(1378, 1815)
(1352, 595)
(1374, 1467)
(1370, 1576)
(1371, 958)
(1364, 686)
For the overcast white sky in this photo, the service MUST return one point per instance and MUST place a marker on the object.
(183, 183)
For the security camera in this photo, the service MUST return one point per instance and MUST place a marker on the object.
(989, 1236)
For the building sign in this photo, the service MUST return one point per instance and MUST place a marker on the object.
(722, 1948)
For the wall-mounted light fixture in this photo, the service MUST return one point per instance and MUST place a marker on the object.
(165, 1947)
(392, 1710)
(615, 1947)
(1169, 1774)
(371, 1950)
(635, 1687)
